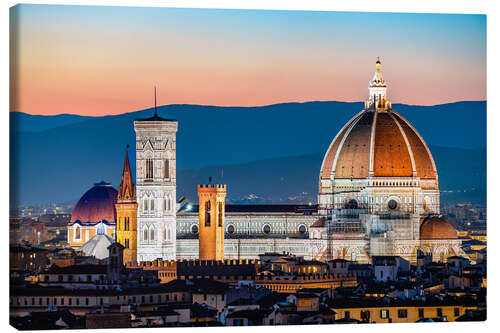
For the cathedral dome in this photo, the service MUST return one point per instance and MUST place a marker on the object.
(96, 204)
(436, 228)
(378, 142)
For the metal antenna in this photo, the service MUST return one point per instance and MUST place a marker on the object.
(156, 113)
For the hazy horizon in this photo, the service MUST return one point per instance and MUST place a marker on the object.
(233, 106)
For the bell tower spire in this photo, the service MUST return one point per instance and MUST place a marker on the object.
(126, 191)
(126, 214)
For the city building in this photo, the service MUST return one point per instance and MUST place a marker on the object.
(211, 221)
(126, 213)
(94, 210)
(156, 187)
(378, 196)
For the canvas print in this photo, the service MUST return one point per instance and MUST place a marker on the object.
(176, 167)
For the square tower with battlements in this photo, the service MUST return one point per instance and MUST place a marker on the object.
(211, 212)
(156, 187)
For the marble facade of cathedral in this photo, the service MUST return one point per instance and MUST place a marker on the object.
(378, 195)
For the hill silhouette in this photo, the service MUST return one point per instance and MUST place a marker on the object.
(59, 159)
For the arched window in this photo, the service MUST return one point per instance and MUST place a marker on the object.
(169, 235)
(220, 214)
(77, 233)
(166, 170)
(149, 168)
(152, 236)
(165, 204)
(152, 207)
(145, 234)
(145, 205)
(165, 234)
(207, 214)
(169, 204)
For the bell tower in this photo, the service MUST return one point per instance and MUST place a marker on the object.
(126, 214)
(211, 221)
(156, 187)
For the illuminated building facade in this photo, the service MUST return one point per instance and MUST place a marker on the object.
(212, 204)
(126, 214)
(156, 187)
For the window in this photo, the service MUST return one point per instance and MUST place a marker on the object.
(302, 229)
(89, 278)
(220, 214)
(194, 229)
(145, 234)
(266, 229)
(77, 301)
(159, 298)
(127, 243)
(365, 315)
(78, 233)
(70, 301)
(347, 314)
(207, 214)
(456, 312)
(420, 313)
(62, 301)
(151, 298)
(145, 205)
(70, 277)
(384, 314)
(152, 234)
(402, 313)
(166, 169)
(352, 204)
(392, 204)
(439, 312)
(149, 168)
(152, 206)
(60, 277)
(40, 301)
(230, 229)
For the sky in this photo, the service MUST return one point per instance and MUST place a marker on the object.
(94, 61)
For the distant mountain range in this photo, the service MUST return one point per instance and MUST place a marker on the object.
(266, 154)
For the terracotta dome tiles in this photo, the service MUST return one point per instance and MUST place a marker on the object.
(437, 228)
(354, 158)
(326, 168)
(423, 160)
(395, 143)
(391, 156)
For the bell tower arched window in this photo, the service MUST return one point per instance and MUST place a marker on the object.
(149, 168)
(220, 214)
(166, 171)
(207, 214)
